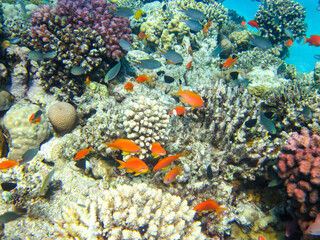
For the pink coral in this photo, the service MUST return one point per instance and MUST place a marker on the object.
(299, 166)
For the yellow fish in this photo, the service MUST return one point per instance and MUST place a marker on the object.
(138, 14)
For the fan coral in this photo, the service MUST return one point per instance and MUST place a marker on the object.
(280, 17)
(132, 212)
(299, 166)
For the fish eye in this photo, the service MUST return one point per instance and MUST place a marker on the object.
(144, 168)
(138, 150)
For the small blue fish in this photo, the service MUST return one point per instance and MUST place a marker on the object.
(148, 64)
(35, 55)
(15, 41)
(268, 124)
(113, 72)
(172, 56)
(193, 25)
(122, 12)
(193, 13)
(217, 51)
(77, 71)
(125, 45)
(260, 42)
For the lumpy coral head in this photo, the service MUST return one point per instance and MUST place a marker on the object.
(94, 14)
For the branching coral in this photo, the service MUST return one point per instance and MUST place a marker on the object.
(280, 17)
(131, 212)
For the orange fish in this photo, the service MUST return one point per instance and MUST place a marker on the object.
(142, 35)
(142, 79)
(36, 117)
(191, 98)
(209, 205)
(179, 110)
(261, 238)
(314, 40)
(243, 23)
(129, 87)
(189, 65)
(171, 176)
(163, 163)
(135, 165)
(87, 81)
(209, 23)
(190, 51)
(4, 165)
(157, 150)
(253, 23)
(126, 145)
(205, 30)
(288, 43)
(230, 62)
(82, 153)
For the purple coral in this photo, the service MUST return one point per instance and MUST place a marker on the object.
(70, 14)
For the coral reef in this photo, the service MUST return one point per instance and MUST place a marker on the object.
(62, 116)
(131, 212)
(299, 166)
(82, 34)
(24, 134)
(281, 16)
(145, 122)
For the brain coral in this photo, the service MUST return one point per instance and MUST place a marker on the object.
(24, 134)
(82, 33)
(62, 116)
(132, 212)
(281, 16)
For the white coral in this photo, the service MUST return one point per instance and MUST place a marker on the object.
(121, 213)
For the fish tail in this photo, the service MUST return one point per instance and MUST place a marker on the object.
(305, 40)
(250, 35)
(220, 210)
(109, 145)
(180, 91)
(122, 163)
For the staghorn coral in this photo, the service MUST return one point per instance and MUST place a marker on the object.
(82, 34)
(131, 212)
(299, 166)
(279, 16)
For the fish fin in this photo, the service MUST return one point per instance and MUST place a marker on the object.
(305, 40)
(182, 100)
(122, 163)
(220, 210)
(161, 50)
(166, 168)
(137, 174)
(155, 155)
(180, 91)
(171, 185)
(125, 153)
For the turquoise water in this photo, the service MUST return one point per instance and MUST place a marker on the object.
(302, 56)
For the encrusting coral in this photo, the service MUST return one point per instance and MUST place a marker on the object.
(131, 212)
(23, 133)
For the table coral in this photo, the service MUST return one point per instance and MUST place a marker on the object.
(299, 166)
(131, 212)
(279, 16)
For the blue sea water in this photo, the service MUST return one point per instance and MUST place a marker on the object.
(302, 56)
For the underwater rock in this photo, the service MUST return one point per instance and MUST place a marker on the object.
(6, 100)
(317, 72)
